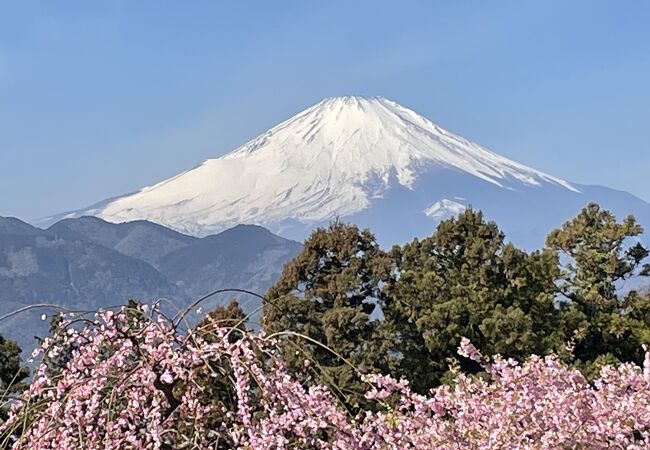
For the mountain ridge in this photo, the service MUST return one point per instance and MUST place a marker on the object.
(87, 263)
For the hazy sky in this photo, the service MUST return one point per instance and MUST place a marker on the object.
(100, 98)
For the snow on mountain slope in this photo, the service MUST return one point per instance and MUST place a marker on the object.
(444, 209)
(334, 159)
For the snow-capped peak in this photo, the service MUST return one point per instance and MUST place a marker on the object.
(383, 136)
(330, 160)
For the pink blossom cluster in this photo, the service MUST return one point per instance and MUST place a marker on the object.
(133, 381)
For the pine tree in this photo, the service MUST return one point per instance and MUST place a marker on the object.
(465, 281)
(214, 378)
(597, 255)
(231, 316)
(12, 372)
(325, 300)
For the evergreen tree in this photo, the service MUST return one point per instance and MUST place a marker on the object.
(12, 372)
(214, 378)
(327, 295)
(230, 316)
(465, 281)
(597, 255)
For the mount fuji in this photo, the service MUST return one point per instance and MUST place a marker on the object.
(369, 161)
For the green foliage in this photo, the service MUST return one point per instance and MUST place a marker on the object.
(596, 254)
(12, 373)
(593, 250)
(326, 295)
(214, 380)
(231, 316)
(465, 281)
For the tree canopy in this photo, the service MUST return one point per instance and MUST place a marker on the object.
(596, 255)
(465, 281)
(325, 299)
(406, 310)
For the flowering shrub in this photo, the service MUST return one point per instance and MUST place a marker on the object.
(131, 380)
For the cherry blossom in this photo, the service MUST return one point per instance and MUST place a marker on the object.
(132, 380)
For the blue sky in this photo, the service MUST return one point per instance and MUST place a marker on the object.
(100, 98)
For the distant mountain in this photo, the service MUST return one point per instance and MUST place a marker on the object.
(141, 239)
(72, 273)
(87, 263)
(11, 225)
(243, 256)
(366, 160)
